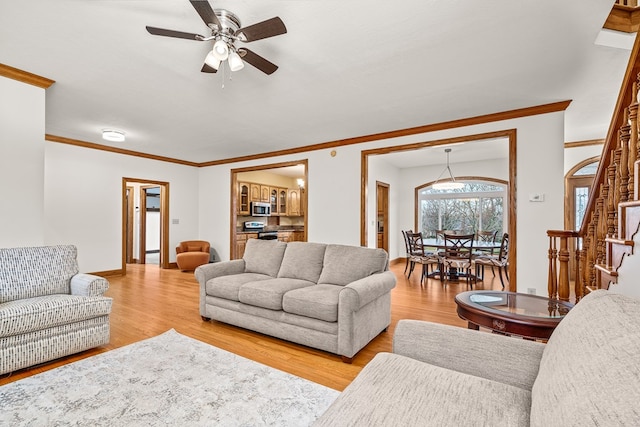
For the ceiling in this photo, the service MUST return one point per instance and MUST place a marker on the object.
(348, 68)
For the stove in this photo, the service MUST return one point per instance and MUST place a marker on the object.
(256, 226)
(268, 235)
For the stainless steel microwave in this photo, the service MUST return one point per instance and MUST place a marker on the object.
(260, 209)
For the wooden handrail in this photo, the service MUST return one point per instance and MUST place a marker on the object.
(615, 183)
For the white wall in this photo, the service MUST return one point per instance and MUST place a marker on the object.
(334, 191)
(83, 201)
(22, 118)
(575, 155)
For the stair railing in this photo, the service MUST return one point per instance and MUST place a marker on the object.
(614, 185)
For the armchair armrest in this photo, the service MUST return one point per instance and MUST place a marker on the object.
(206, 272)
(361, 292)
(495, 357)
(88, 285)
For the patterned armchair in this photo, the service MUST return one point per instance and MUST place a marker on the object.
(47, 309)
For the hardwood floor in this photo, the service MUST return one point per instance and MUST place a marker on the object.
(149, 301)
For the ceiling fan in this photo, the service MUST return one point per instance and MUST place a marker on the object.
(225, 31)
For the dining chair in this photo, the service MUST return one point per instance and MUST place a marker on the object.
(458, 257)
(485, 237)
(420, 256)
(501, 261)
(408, 251)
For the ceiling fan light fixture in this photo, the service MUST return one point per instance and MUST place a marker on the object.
(450, 184)
(212, 61)
(113, 135)
(235, 62)
(221, 50)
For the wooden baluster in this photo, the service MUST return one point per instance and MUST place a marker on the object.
(552, 282)
(614, 189)
(608, 191)
(578, 278)
(633, 141)
(621, 160)
(563, 280)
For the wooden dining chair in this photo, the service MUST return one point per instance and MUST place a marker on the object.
(500, 261)
(420, 256)
(408, 251)
(458, 257)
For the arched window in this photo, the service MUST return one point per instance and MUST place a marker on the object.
(478, 206)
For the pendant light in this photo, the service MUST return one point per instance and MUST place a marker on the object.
(450, 184)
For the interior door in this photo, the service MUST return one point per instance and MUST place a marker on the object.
(382, 207)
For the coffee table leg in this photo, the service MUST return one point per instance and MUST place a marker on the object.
(473, 326)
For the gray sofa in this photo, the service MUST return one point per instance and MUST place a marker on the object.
(334, 298)
(588, 374)
(47, 309)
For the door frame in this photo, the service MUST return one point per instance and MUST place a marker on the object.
(384, 187)
(164, 219)
(510, 134)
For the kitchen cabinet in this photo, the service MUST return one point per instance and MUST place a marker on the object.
(241, 243)
(282, 201)
(278, 201)
(291, 236)
(243, 198)
(294, 207)
(265, 193)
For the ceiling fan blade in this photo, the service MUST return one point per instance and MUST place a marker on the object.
(208, 69)
(257, 61)
(206, 12)
(262, 30)
(171, 33)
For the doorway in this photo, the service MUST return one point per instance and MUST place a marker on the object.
(382, 204)
(145, 222)
(577, 190)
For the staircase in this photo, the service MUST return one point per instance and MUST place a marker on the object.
(606, 237)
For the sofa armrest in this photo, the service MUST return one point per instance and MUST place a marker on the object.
(361, 292)
(206, 272)
(88, 285)
(496, 357)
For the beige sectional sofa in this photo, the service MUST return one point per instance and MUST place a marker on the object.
(47, 308)
(588, 374)
(334, 298)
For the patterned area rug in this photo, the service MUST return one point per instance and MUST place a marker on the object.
(170, 379)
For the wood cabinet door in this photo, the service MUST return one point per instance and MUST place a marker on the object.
(273, 201)
(282, 201)
(243, 198)
(254, 195)
(265, 192)
(294, 202)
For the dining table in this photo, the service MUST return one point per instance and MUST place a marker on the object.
(439, 244)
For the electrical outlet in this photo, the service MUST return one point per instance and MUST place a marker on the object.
(531, 291)
(175, 221)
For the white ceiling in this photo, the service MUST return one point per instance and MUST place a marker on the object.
(347, 68)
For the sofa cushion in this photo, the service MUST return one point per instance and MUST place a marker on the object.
(303, 260)
(263, 256)
(269, 293)
(394, 390)
(228, 287)
(345, 264)
(33, 314)
(35, 271)
(590, 372)
(317, 302)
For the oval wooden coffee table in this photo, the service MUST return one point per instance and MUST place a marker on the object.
(512, 313)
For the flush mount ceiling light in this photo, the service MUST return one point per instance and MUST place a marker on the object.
(225, 31)
(113, 135)
(449, 184)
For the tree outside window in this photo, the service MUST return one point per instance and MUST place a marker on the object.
(478, 206)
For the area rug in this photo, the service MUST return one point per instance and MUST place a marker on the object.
(170, 379)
